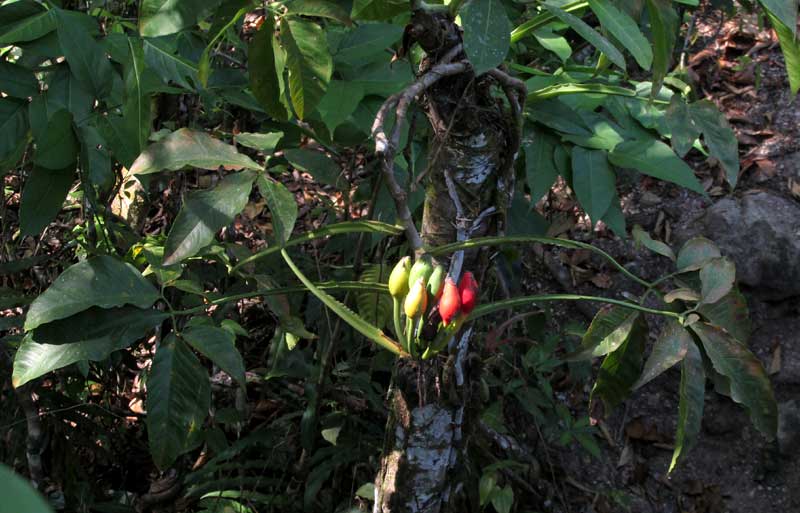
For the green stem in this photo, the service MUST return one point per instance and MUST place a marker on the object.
(409, 335)
(482, 310)
(398, 331)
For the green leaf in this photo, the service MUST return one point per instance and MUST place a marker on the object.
(729, 313)
(102, 281)
(366, 42)
(784, 11)
(663, 26)
(23, 21)
(608, 331)
(503, 499)
(316, 163)
(58, 147)
(115, 131)
(625, 29)
(190, 148)
(553, 42)
(683, 129)
(265, 75)
(540, 169)
(656, 246)
(620, 370)
(718, 136)
(695, 253)
(717, 278)
(10, 298)
(375, 308)
(43, 196)
(161, 56)
(690, 407)
(487, 33)
(204, 213)
(86, 58)
(95, 159)
(309, 63)
(178, 398)
(265, 143)
(593, 180)
(320, 9)
(137, 110)
(17, 81)
(368, 330)
(749, 383)
(670, 348)
(589, 34)
(282, 206)
(791, 50)
(219, 346)
(615, 218)
(378, 9)
(163, 17)
(556, 114)
(653, 157)
(13, 125)
(486, 487)
(92, 334)
(339, 102)
(65, 91)
(19, 494)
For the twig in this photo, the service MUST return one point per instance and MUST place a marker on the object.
(36, 439)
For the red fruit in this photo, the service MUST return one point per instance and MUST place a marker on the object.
(450, 303)
(468, 290)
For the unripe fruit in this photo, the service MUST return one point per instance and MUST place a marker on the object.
(416, 301)
(450, 303)
(436, 281)
(398, 279)
(422, 268)
(468, 290)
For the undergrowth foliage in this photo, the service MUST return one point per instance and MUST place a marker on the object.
(106, 108)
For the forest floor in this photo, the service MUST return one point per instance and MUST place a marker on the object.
(732, 468)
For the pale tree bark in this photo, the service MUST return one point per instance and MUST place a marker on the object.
(468, 184)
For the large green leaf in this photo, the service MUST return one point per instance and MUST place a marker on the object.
(620, 370)
(378, 9)
(663, 27)
(625, 29)
(204, 213)
(593, 180)
(695, 253)
(366, 43)
(553, 42)
(161, 55)
(19, 495)
(115, 131)
(589, 34)
(265, 143)
(340, 101)
(717, 278)
(43, 196)
(783, 10)
(309, 63)
(24, 21)
(265, 75)
(65, 91)
(690, 406)
(13, 125)
(164, 17)
(316, 163)
(670, 348)
(102, 281)
(749, 383)
(791, 50)
(86, 58)
(320, 9)
(178, 398)
(96, 159)
(137, 110)
(219, 346)
(282, 206)
(487, 33)
(653, 157)
(58, 147)
(683, 130)
(17, 81)
(190, 148)
(718, 136)
(89, 335)
(540, 169)
(729, 313)
(609, 330)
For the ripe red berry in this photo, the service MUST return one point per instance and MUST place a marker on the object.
(450, 303)
(468, 290)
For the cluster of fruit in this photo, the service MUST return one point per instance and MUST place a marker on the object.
(435, 306)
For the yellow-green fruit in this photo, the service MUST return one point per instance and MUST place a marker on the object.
(436, 281)
(398, 280)
(422, 268)
(417, 300)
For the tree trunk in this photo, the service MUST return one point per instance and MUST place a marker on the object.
(434, 403)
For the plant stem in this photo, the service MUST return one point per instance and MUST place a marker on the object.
(521, 301)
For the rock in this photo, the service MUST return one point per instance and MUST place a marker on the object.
(761, 233)
(789, 428)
